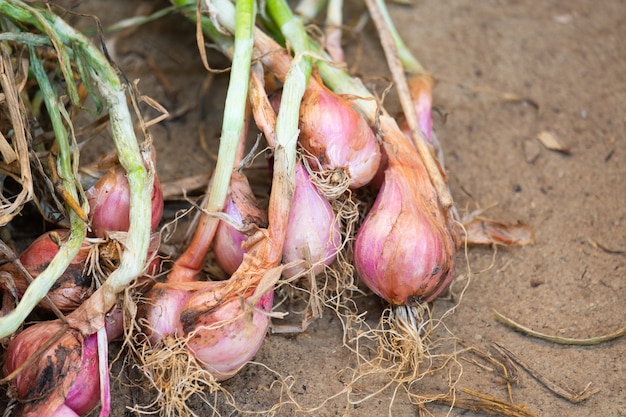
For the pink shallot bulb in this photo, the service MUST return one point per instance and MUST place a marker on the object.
(337, 136)
(421, 90)
(313, 233)
(161, 311)
(71, 288)
(63, 380)
(243, 209)
(404, 250)
(109, 201)
(226, 338)
(224, 334)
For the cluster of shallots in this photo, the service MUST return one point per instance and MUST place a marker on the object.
(55, 369)
(329, 141)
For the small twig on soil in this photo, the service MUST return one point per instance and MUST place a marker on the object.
(556, 339)
(485, 404)
(603, 248)
(569, 395)
(504, 369)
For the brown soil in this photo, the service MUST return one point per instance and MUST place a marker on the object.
(565, 64)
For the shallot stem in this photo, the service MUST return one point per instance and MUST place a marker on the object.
(334, 21)
(391, 53)
(103, 368)
(287, 131)
(409, 62)
(190, 262)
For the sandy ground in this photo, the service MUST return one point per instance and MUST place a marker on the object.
(506, 71)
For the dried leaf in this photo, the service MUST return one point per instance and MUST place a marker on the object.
(18, 149)
(550, 141)
(483, 231)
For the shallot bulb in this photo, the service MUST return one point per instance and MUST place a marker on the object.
(421, 90)
(109, 202)
(223, 334)
(404, 250)
(71, 288)
(63, 381)
(313, 233)
(243, 209)
(337, 136)
(227, 338)
(161, 311)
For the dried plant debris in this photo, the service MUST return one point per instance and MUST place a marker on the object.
(483, 403)
(550, 141)
(560, 340)
(571, 396)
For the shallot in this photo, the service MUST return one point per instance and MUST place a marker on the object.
(222, 334)
(336, 136)
(62, 380)
(109, 200)
(404, 250)
(71, 288)
(313, 233)
(247, 215)
(226, 338)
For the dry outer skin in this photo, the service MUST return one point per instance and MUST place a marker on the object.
(567, 58)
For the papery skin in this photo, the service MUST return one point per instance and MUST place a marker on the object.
(404, 250)
(85, 392)
(313, 233)
(222, 335)
(243, 208)
(226, 338)
(64, 377)
(71, 288)
(337, 136)
(109, 202)
(420, 88)
(162, 310)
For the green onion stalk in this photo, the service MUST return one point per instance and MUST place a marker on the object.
(296, 78)
(415, 92)
(190, 262)
(309, 9)
(94, 69)
(40, 287)
(409, 62)
(295, 84)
